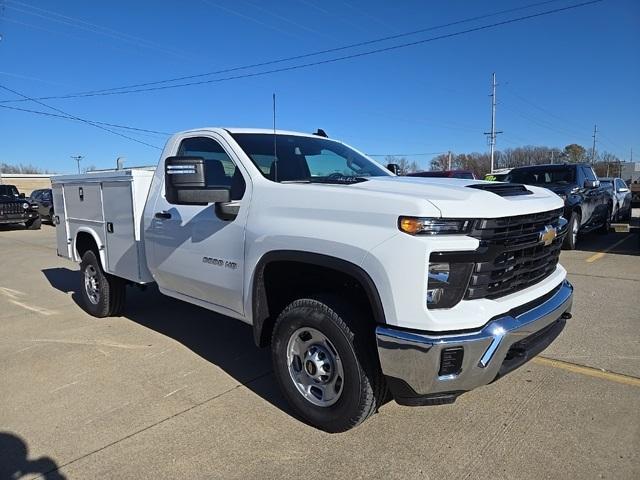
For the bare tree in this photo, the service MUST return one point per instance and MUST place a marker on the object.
(405, 165)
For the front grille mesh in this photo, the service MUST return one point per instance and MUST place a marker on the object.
(11, 208)
(515, 258)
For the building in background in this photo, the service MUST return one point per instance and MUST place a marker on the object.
(27, 182)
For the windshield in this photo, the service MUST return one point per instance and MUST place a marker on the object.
(543, 176)
(307, 159)
(8, 191)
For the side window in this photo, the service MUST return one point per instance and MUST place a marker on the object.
(588, 173)
(35, 195)
(620, 184)
(221, 171)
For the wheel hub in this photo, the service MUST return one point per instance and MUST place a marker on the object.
(315, 367)
(91, 285)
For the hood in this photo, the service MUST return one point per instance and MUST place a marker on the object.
(456, 198)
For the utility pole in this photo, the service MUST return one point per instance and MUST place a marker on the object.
(449, 161)
(492, 134)
(77, 158)
(593, 148)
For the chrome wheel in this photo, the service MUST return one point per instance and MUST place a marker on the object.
(91, 284)
(315, 367)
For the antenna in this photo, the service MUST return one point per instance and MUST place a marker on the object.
(275, 147)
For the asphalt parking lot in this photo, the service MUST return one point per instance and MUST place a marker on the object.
(170, 390)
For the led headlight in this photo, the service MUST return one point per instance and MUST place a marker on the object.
(25, 206)
(446, 283)
(434, 226)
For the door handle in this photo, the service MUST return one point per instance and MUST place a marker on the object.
(163, 215)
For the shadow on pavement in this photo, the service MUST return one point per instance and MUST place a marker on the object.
(220, 340)
(14, 461)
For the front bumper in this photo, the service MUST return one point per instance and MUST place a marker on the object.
(18, 217)
(412, 361)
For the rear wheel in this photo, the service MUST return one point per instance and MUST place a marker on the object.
(34, 224)
(571, 239)
(325, 363)
(103, 294)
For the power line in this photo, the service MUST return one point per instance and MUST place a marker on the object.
(134, 89)
(68, 117)
(90, 27)
(88, 122)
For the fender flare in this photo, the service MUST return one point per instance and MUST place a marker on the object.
(96, 238)
(259, 304)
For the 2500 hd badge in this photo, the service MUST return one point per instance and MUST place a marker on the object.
(220, 263)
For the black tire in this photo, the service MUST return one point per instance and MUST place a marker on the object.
(107, 296)
(571, 240)
(34, 224)
(606, 226)
(363, 388)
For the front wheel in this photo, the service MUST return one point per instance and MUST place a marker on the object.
(33, 224)
(103, 294)
(571, 239)
(325, 363)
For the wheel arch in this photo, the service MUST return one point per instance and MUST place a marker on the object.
(263, 313)
(87, 239)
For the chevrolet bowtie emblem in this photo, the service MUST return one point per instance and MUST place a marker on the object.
(548, 235)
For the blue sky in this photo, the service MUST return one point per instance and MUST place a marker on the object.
(558, 75)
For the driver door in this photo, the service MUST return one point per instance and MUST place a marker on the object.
(195, 252)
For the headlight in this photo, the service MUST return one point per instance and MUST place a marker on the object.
(25, 206)
(434, 226)
(446, 283)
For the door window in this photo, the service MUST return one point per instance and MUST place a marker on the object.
(588, 173)
(220, 169)
(620, 184)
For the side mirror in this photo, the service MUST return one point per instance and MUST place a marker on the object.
(22, 195)
(185, 183)
(394, 167)
(591, 183)
(623, 190)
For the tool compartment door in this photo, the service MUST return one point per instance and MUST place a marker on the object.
(121, 246)
(63, 242)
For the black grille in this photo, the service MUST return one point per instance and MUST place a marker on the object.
(11, 208)
(515, 257)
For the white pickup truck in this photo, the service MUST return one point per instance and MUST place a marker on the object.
(364, 284)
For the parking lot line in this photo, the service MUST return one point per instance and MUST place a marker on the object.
(599, 255)
(588, 371)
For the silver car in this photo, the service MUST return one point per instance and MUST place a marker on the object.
(621, 197)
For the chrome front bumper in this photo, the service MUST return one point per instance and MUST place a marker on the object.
(411, 361)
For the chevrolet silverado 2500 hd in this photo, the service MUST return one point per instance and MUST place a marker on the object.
(363, 283)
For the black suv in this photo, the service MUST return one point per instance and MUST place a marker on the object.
(14, 208)
(43, 198)
(587, 204)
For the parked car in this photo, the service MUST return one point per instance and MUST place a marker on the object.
(14, 208)
(445, 174)
(499, 175)
(587, 204)
(44, 200)
(360, 281)
(621, 195)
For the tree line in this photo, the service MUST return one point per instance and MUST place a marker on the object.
(480, 163)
